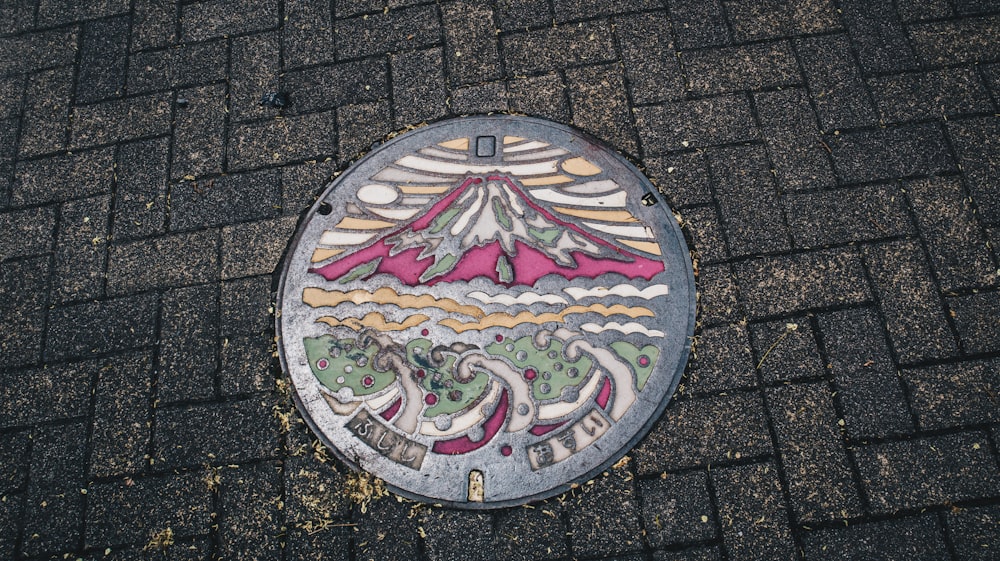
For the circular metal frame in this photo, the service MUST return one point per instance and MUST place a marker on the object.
(486, 311)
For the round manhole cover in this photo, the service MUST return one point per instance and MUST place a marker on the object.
(485, 310)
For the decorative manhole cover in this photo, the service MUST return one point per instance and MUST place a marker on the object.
(485, 310)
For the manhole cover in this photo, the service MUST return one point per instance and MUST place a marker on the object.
(485, 310)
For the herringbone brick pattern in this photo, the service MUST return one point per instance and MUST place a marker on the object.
(836, 164)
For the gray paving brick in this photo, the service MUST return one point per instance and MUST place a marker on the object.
(254, 248)
(953, 235)
(10, 518)
(224, 200)
(244, 362)
(280, 141)
(14, 462)
(723, 360)
(12, 92)
(199, 132)
(250, 498)
(230, 432)
(793, 140)
(719, 298)
(255, 67)
(869, 391)
(118, 511)
(701, 432)
(118, 120)
(524, 534)
(991, 75)
(332, 86)
(695, 124)
(890, 153)
(46, 112)
(243, 306)
(955, 42)
(8, 139)
(55, 504)
(786, 284)
(184, 548)
(753, 20)
(918, 10)
(22, 310)
(46, 394)
(120, 427)
(786, 350)
(6, 173)
(26, 232)
(835, 83)
(973, 532)
(470, 43)
(599, 104)
(455, 535)
(418, 92)
(141, 196)
(333, 543)
(103, 47)
(398, 540)
(699, 24)
(878, 36)
(557, 47)
(405, 28)
(689, 554)
(57, 12)
(183, 65)
(489, 97)
(38, 50)
(542, 96)
(307, 35)
(216, 18)
(948, 92)
(522, 14)
(302, 184)
(188, 358)
(812, 453)
(604, 519)
(566, 10)
(909, 301)
(752, 512)
(683, 177)
(971, 7)
(976, 321)
(100, 327)
(649, 57)
(81, 251)
(751, 67)
(676, 509)
(359, 127)
(17, 16)
(706, 233)
(906, 538)
(927, 471)
(346, 8)
(154, 23)
(167, 261)
(978, 150)
(840, 216)
(954, 395)
(751, 211)
(314, 491)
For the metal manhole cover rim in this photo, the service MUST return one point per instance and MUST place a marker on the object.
(676, 238)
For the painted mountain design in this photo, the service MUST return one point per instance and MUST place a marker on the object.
(488, 229)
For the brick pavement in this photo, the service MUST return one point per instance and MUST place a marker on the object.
(836, 165)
